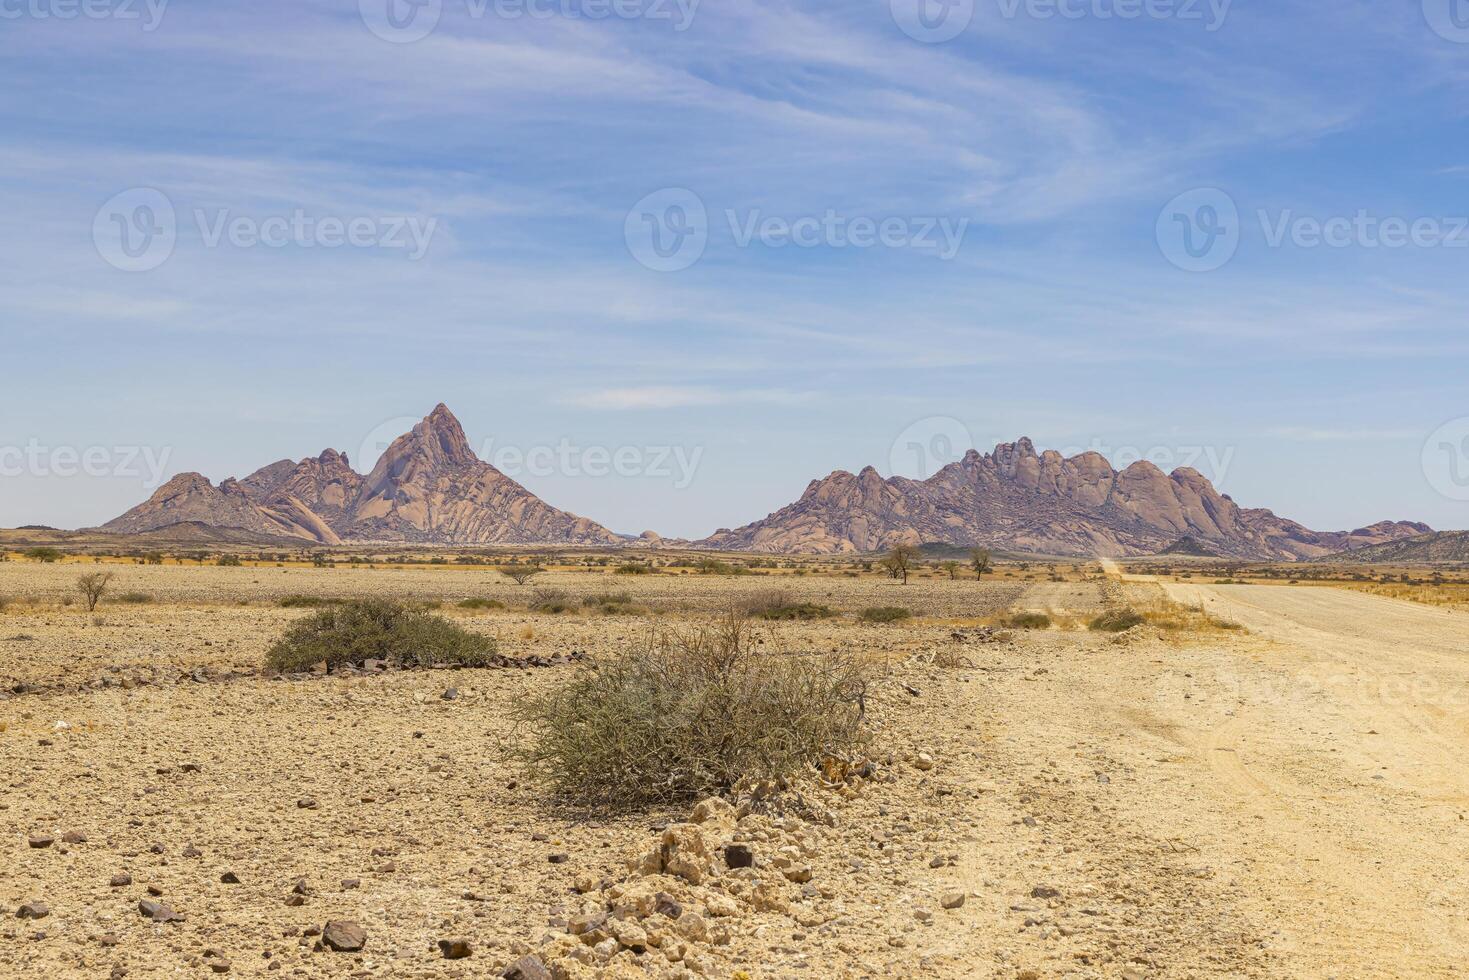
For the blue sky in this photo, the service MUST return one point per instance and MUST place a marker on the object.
(537, 156)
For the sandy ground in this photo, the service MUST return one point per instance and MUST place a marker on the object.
(1287, 802)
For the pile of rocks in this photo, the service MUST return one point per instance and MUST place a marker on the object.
(674, 913)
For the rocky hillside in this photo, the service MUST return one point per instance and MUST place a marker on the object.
(1018, 499)
(428, 488)
(1440, 546)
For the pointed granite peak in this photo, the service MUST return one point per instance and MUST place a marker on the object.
(441, 431)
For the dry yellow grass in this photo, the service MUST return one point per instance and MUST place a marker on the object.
(1449, 595)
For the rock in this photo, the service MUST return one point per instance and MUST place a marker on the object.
(157, 911)
(192, 852)
(343, 937)
(667, 905)
(301, 887)
(33, 910)
(295, 901)
(74, 837)
(684, 853)
(1045, 891)
(558, 858)
(739, 856)
(952, 900)
(306, 804)
(121, 881)
(580, 925)
(39, 841)
(219, 966)
(350, 883)
(229, 878)
(923, 762)
(527, 968)
(452, 694)
(455, 949)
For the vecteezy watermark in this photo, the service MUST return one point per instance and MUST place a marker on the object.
(406, 21)
(1210, 13)
(677, 464)
(148, 13)
(1363, 230)
(669, 230)
(146, 463)
(937, 21)
(928, 445)
(932, 21)
(1199, 230)
(1449, 19)
(137, 230)
(1446, 459)
(1211, 462)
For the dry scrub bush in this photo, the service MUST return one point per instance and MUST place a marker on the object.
(92, 586)
(1116, 621)
(688, 714)
(1028, 621)
(520, 574)
(377, 629)
(885, 614)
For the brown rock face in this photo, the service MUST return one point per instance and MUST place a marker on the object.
(1018, 499)
(429, 487)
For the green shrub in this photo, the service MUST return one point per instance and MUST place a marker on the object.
(377, 629)
(135, 598)
(229, 561)
(614, 604)
(551, 601)
(1116, 621)
(885, 614)
(47, 555)
(307, 601)
(797, 611)
(633, 568)
(477, 603)
(1028, 621)
(690, 714)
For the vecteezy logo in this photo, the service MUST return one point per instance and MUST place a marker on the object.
(1446, 459)
(932, 21)
(135, 231)
(376, 442)
(928, 445)
(668, 230)
(1199, 231)
(401, 21)
(1449, 19)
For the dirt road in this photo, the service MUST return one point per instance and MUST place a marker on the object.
(1287, 802)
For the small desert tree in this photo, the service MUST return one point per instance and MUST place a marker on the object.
(899, 561)
(979, 560)
(952, 567)
(521, 574)
(92, 586)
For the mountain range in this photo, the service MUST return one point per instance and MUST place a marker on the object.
(431, 488)
(428, 488)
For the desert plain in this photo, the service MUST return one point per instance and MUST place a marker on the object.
(1260, 780)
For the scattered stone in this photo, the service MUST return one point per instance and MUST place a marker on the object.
(923, 762)
(1045, 891)
(229, 878)
(192, 852)
(343, 937)
(455, 949)
(121, 881)
(527, 968)
(300, 887)
(33, 910)
(739, 856)
(155, 891)
(41, 840)
(559, 858)
(952, 900)
(452, 694)
(157, 911)
(349, 883)
(306, 804)
(74, 837)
